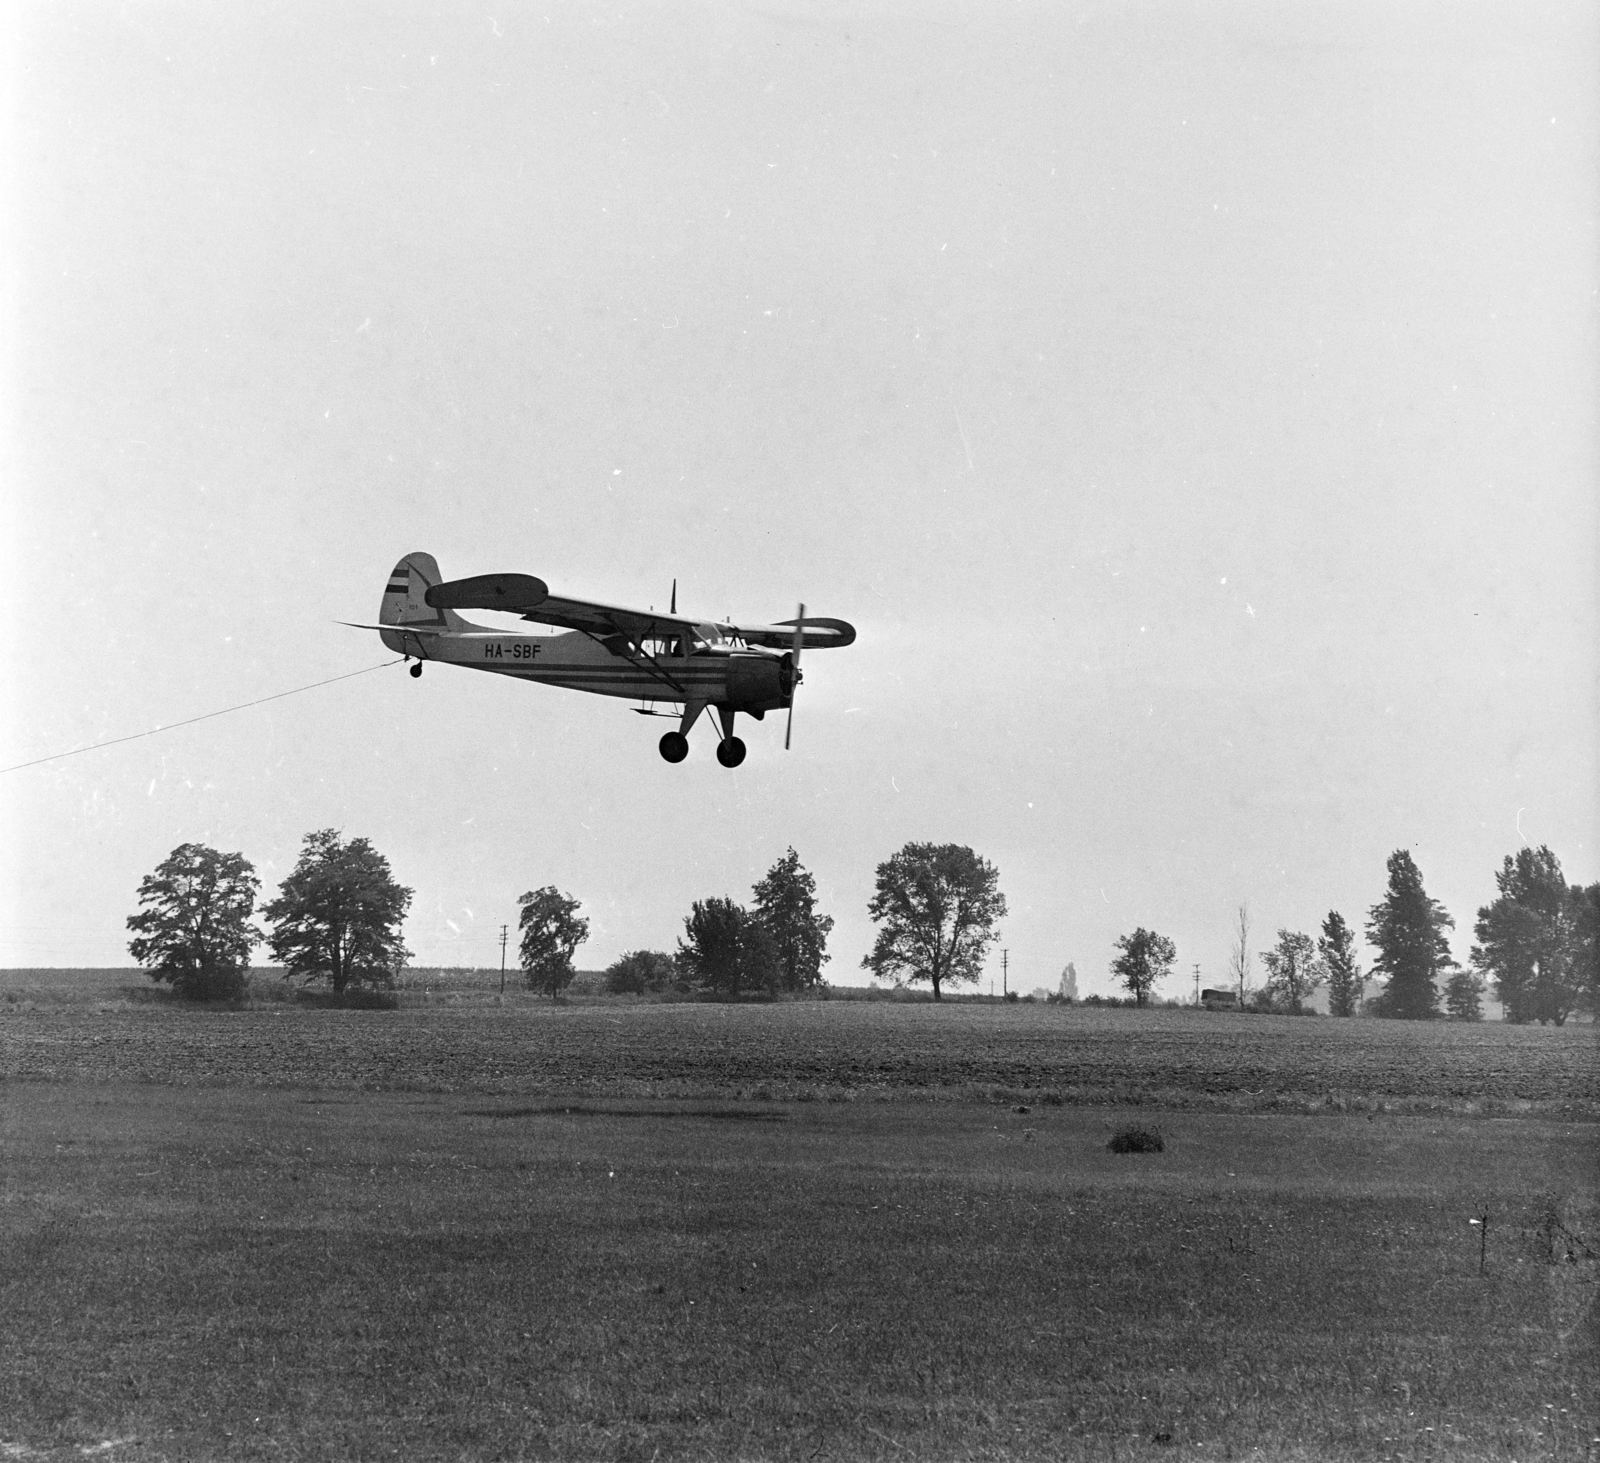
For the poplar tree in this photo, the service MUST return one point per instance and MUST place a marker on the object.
(786, 906)
(1463, 996)
(1407, 930)
(1345, 980)
(1536, 941)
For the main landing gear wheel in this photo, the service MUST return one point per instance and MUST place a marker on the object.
(675, 747)
(730, 751)
(416, 670)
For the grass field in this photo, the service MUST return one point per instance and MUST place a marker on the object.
(577, 1232)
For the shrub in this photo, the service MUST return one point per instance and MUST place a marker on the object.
(1136, 1139)
(214, 985)
(639, 971)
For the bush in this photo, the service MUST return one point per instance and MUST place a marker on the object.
(639, 971)
(213, 985)
(1136, 1139)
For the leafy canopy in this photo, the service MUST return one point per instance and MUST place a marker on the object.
(194, 929)
(1463, 996)
(1146, 960)
(551, 931)
(1294, 969)
(786, 906)
(1407, 930)
(1537, 939)
(726, 948)
(337, 916)
(937, 905)
(1337, 946)
(638, 971)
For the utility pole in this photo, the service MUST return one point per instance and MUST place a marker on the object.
(1197, 982)
(1005, 962)
(503, 938)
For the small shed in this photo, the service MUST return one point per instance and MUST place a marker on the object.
(1220, 1000)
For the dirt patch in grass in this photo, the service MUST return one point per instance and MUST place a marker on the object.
(1137, 1138)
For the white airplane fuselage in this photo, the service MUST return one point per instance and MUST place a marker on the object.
(715, 675)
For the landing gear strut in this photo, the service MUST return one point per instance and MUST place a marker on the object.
(730, 750)
(675, 745)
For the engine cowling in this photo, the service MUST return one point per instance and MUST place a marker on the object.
(759, 682)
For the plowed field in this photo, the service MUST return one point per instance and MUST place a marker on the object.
(821, 1050)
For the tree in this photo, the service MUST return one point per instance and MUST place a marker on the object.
(786, 906)
(938, 904)
(1239, 951)
(1146, 960)
(551, 931)
(1337, 946)
(1294, 969)
(194, 928)
(1589, 946)
(1407, 929)
(726, 948)
(337, 916)
(1463, 996)
(639, 971)
(1536, 939)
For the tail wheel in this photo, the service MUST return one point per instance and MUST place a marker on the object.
(730, 752)
(675, 747)
(416, 670)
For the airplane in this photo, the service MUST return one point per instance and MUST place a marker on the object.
(609, 651)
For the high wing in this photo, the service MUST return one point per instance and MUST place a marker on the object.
(523, 594)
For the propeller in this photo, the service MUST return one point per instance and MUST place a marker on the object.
(794, 666)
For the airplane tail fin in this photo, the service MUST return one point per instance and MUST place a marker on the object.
(404, 605)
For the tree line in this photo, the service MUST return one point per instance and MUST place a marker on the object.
(337, 918)
(1537, 946)
(338, 915)
(779, 944)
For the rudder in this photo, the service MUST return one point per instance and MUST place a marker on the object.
(404, 605)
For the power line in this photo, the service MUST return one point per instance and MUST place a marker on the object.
(173, 726)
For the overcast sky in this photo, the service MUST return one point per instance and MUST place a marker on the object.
(1194, 407)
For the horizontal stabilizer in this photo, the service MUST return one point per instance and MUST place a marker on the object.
(395, 629)
(512, 592)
